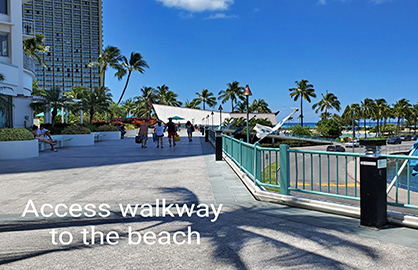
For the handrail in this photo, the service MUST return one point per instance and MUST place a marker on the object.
(399, 172)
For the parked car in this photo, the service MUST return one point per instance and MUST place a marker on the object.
(394, 140)
(415, 137)
(352, 144)
(335, 148)
(403, 137)
(409, 137)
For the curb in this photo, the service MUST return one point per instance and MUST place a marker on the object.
(263, 195)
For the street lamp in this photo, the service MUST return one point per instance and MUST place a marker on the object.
(220, 114)
(212, 118)
(247, 93)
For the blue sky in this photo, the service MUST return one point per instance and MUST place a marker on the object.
(355, 49)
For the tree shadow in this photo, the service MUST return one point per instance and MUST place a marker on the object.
(238, 238)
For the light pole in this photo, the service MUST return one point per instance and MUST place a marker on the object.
(212, 118)
(220, 114)
(247, 93)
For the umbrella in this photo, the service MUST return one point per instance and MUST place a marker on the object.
(177, 118)
(42, 114)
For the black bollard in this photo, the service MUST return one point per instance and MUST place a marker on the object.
(218, 144)
(373, 198)
(206, 134)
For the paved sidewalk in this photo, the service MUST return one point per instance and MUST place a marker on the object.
(247, 234)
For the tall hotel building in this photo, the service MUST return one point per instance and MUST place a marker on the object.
(73, 30)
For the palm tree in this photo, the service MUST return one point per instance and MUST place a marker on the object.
(96, 100)
(413, 117)
(304, 90)
(400, 110)
(191, 104)
(109, 57)
(128, 106)
(241, 106)
(115, 110)
(143, 108)
(34, 47)
(381, 106)
(135, 63)
(232, 92)
(329, 101)
(161, 93)
(205, 97)
(54, 99)
(368, 108)
(259, 106)
(167, 97)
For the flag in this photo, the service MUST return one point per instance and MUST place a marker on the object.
(276, 127)
(239, 129)
(262, 131)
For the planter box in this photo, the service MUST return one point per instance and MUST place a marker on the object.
(109, 135)
(131, 133)
(79, 139)
(19, 149)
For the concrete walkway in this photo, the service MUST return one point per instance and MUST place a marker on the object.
(247, 234)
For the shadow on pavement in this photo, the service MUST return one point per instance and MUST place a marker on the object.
(238, 234)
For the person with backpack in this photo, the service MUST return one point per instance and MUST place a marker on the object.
(190, 129)
(171, 129)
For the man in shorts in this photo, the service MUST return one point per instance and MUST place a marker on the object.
(143, 133)
(171, 128)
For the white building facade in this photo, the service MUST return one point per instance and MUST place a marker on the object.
(17, 69)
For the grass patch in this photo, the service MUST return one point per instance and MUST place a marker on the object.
(270, 169)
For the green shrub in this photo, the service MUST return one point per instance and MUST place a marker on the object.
(304, 131)
(108, 128)
(76, 130)
(92, 127)
(15, 134)
(129, 126)
(330, 127)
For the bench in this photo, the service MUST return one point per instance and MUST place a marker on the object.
(98, 136)
(60, 143)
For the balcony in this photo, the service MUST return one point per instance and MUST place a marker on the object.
(29, 63)
(28, 28)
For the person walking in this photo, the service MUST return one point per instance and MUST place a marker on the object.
(159, 131)
(190, 130)
(171, 128)
(143, 133)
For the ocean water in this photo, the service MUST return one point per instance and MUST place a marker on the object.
(313, 124)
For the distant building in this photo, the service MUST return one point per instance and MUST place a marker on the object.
(73, 30)
(18, 69)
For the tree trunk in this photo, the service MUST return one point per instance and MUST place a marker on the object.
(301, 112)
(232, 104)
(126, 85)
(365, 131)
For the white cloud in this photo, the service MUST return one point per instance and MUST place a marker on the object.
(221, 16)
(321, 2)
(198, 5)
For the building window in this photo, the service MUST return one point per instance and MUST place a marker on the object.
(3, 6)
(3, 45)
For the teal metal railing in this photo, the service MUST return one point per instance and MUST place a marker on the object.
(321, 173)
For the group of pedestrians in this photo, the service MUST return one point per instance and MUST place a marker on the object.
(159, 130)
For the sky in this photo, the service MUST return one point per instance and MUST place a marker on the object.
(355, 49)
